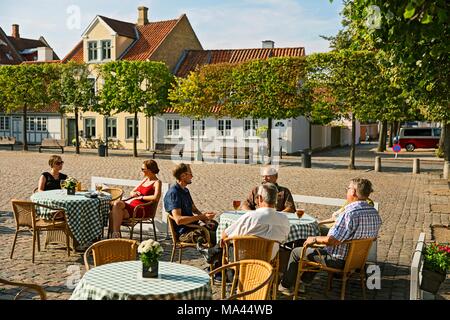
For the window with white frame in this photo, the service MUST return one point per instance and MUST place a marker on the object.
(111, 127)
(92, 51)
(36, 124)
(250, 127)
(89, 127)
(130, 128)
(172, 127)
(5, 123)
(224, 128)
(106, 49)
(195, 125)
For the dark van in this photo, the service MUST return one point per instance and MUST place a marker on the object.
(412, 138)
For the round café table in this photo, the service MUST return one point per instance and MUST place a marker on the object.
(124, 281)
(300, 229)
(86, 216)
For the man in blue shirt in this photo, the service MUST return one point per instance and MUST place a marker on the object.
(178, 202)
(359, 220)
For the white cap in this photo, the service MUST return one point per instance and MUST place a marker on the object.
(268, 171)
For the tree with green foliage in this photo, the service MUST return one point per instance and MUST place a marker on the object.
(414, 36)
(133, 87)
(203, 94)
(269, 89)
(28, 87)
(76, 92)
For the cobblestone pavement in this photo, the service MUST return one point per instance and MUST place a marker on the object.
(405, 207)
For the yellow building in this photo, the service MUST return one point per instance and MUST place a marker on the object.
(107, 39)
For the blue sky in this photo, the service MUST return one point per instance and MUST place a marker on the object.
(219, 24)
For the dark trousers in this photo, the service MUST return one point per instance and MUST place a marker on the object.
(290, 276)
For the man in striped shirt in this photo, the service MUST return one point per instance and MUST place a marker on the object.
(359, 221)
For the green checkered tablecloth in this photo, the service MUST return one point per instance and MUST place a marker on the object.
(86, 216)
(302, 228)
(123, 281)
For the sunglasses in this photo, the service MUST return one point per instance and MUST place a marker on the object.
(143, 169)
(59, 163)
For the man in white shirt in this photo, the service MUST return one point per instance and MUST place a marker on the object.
(264, 222)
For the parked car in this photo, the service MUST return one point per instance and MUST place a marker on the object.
(413, 138)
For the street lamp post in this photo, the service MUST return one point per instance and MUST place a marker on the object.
(198, 156)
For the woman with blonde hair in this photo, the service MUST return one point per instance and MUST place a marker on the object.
(148, 190)
(52, 180)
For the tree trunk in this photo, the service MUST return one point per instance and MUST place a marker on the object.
(441, 145)
(391, 134)
(382, 138)
(25, 140)
(446, 129)
(269, 139)
(396, 128)
(77, 138)
(135, 154)
(106, 137)
(310, 131)
(351, 165)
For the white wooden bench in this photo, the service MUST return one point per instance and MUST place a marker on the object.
(8, 141)
(49, 143)
(337, 202)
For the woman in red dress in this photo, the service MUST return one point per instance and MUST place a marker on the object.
(148, 190)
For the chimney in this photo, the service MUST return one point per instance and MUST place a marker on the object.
(15, 31)
(142, 16)
(44, 54)
(268, 44)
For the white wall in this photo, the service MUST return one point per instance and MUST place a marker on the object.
(300, 134)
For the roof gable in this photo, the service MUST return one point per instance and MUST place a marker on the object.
(193, 58)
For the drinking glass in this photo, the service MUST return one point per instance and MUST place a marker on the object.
(98, 187)
(300, 212)
(236, 205)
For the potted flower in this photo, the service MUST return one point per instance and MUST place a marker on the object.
(436, 263)
(149, 252)
(70, 184)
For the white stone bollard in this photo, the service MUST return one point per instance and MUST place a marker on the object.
(416, 166)
(377, 164)
(446, 169)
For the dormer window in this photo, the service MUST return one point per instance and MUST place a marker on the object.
(92, 51)
(106, 49)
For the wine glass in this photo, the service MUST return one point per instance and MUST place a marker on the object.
(62, 184)
(236, 205)
(98, 187)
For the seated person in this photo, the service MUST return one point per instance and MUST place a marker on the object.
(148, 190)
(52, 180)
(325, 225)
(285, 202)
(265, 223)
(358, 221)
(178, 202)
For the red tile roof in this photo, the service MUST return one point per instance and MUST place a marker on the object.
(215, 109)
(121, 27)
(76, 54)
(151, 36)
(194, 58)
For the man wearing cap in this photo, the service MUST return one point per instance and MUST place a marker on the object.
(285, 202)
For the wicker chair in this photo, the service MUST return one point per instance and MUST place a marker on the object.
(132, 221)
(116, 194)
(358, 252)
(25, 216)
(26, 286)
(111, 250)
(250, 247)
(253, 278)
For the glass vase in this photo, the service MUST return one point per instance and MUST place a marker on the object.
(71, 191)
(150, 271)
